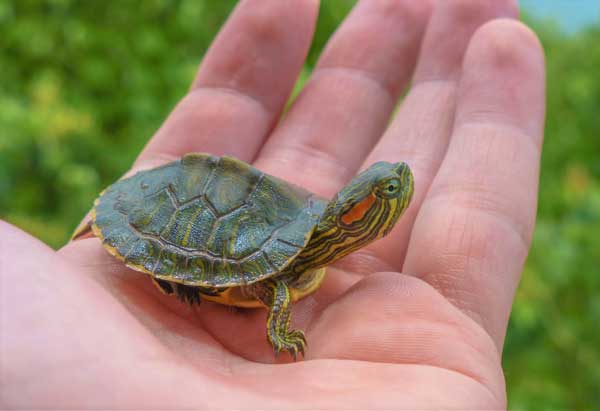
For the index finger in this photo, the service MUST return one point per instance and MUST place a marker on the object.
(242, 84)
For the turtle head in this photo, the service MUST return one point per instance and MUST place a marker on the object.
(373, 201)
(364, 210)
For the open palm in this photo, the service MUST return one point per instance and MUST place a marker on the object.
(80, 330)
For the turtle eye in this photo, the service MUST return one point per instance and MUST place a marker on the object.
(389, 188)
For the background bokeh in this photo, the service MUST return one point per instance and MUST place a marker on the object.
(83, 85)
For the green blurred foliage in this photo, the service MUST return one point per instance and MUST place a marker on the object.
(85, 84)
(552, 355)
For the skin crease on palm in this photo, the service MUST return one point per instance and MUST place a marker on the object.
(415, 321)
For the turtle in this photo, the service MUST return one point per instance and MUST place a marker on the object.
(218, 229)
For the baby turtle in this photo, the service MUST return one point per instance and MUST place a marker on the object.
(219, 229)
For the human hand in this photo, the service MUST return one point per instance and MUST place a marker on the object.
(416, 320)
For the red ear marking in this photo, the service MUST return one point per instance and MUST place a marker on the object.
(358, 211)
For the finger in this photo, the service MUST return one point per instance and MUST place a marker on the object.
(241, 85)
(474, 228)
(419, 134)
(347, 102)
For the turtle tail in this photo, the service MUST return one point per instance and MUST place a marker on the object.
(83, 231)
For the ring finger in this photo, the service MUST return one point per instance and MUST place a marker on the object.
(420, 132)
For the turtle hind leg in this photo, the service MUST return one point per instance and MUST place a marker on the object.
(165, 287)
(186, 293)
(275, 295)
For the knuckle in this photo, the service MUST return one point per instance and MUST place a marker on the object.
(469, 11)
(401, 10)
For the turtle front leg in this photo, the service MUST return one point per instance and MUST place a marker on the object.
(275, 295)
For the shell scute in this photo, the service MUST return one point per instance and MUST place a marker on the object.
(119, 236)
(140, 255)
(190, 226)
(151, 216)
(226, 273)
(240, 234)
(201, 268)
(277, 200)
(231, 184)
(279, 253)
(255, 265)
(195, 171)
(167, 264)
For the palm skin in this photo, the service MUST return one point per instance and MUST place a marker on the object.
(415, 321)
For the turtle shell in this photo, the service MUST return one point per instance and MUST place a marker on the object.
(206, 221)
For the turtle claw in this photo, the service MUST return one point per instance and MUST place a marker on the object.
(301, 349)
(293, 342)
(300, 335)
(299, 342)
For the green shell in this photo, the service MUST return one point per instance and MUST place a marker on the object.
(206, 221)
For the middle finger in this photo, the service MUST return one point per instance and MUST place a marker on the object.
(345, 107)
